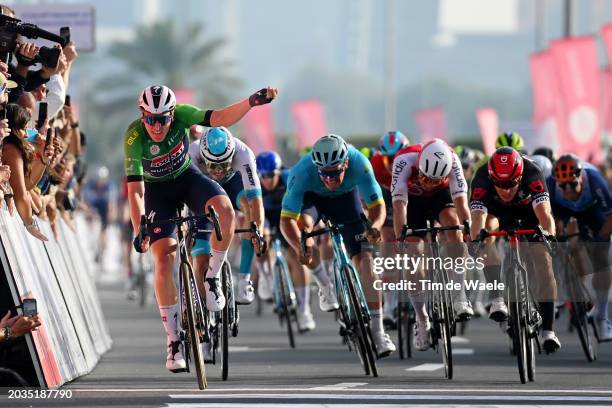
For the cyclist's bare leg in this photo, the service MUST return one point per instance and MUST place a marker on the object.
(224, 210)
(164, 253)
(389, 296)
(200, 266)
(456, 247)
(492, 261)
(546, 284)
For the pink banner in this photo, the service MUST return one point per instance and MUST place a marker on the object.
(578, 69)
(547, 105)
(184, 96)
(606, 34)
(259, 129)
(309, 120)
(488, 122)
(606, 100)
(431, 124)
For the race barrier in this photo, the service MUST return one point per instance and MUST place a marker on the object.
(59, 274)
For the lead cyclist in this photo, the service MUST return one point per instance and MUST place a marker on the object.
(162, 177)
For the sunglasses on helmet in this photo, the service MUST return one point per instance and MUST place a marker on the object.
(161, 119)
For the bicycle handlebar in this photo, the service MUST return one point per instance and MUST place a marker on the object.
(406, 232)
(254, 230)
(512, 232)
(178, 221)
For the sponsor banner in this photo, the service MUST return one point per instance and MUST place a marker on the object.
(578, 68)
(309, 120)
(431, 124)
(606, 100)
(258, 129)
(488, 122)
(184, 96)
(606, 35)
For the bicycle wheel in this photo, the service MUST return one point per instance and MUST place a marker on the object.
(400, 328)
(225, 323)
(517, 326)
(285, 297)
(445, 336)
(578, 315)
(366, 346)
(192, 302)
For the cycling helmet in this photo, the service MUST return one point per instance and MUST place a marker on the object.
(392, 142)
(435, 160)
(567, 168)
(306, 150)
(546, 152)
(505, 167)
(467, 156)
(329, 151)
(267, 162)
(510, 139)
(102, 173)
(543, 163)
(157, 99)
(217, 145)
(368, 152)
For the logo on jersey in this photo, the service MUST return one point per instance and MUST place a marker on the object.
(249, 173)
(154, 149)
(536, 186)
(478, 193)
(157, 230)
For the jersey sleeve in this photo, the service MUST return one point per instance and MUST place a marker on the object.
(132, 151)
(244, 162)
(481, 190)
(458, 185)
(399, 178)
(294, 196)
(536, 184)
(192, 115)
(599, 186)
(369, 190)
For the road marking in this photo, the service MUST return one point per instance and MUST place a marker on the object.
(426, 367)
(339, 386)
(459, 340)
(247, 349)
(463, 351)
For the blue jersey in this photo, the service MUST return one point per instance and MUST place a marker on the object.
(273, 199)
(304, 178)
(595, 193)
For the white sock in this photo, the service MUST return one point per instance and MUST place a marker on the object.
(169, 316)
(328, 265)
(216, 262)
(303, 298)
(377, 321)
(390, 300)
(320, 275)
(245, 276)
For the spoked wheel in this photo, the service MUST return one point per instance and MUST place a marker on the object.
(401, 329)
(225, 323)
(285, 310)
(362, 332)
(518, 340)
(194, 312)
(580, 321)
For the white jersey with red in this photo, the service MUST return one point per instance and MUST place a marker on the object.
(405, 181)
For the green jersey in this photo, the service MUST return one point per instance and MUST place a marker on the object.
(165, 160)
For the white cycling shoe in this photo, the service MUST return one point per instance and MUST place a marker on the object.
(463, 310)
(604, 329)
(215, 300)
(246, 292)
(207, 352)
(305, 322)
(327, 298)
(384, 345)
(498, 311)
(175, 361)
(550, 342)
(422, 338)
(264, 286)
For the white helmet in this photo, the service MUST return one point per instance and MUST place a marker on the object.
(217, 145)
(157, 99)
(435, 160)
(329, 151)
(102, 173)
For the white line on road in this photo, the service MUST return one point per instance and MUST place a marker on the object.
(459, 339)
(339, 386)
(426, 367)
(463, 351)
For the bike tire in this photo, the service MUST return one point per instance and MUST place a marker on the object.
(364, 336)
(194, 340)
(445, 336)
(225, 323)
(286, 301)
(400, 328)
(410, 321)
(581, 322)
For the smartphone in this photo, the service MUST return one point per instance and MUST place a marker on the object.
(42, 114)
(65, 34)
(29, 307)
(48, 139)
(67, 100)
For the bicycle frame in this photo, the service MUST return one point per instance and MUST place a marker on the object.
(279, 258)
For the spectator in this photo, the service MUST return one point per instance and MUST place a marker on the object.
(12, 327)
(27, 101)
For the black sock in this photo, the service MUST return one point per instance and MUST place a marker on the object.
(547, 310)
(491, 273)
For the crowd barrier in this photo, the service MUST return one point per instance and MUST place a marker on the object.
(59, 274)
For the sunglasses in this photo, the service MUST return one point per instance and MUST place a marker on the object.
(161, 119)
(426, 181)
(331, 174)
(215, 167)
(507, 184)
(268, 174)
(571, 184)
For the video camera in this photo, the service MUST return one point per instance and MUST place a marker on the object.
(11, 28)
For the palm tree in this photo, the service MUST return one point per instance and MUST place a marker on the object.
(160, 53)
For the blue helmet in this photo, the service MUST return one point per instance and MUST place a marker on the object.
(267, 162)
(392, 142)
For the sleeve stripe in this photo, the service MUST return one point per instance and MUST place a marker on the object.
(134, 178)
(206, 121)
(373, 204)
(290, 214)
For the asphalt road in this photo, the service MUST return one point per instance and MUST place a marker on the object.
(264, 371)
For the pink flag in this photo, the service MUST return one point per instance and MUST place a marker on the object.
(309, 120)
(578, 69)
(488, 122)
(259, 130)
(547, 105)
(184, 96)
(606, 34)
(431, 124)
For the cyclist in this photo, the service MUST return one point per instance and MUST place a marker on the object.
(507, 188)
(580, 191)
(101, 195)
(273, 177)
(231, 163)
(382, 162)
(467, 157)
(330, 182)
(428, 182)
(161, 178)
